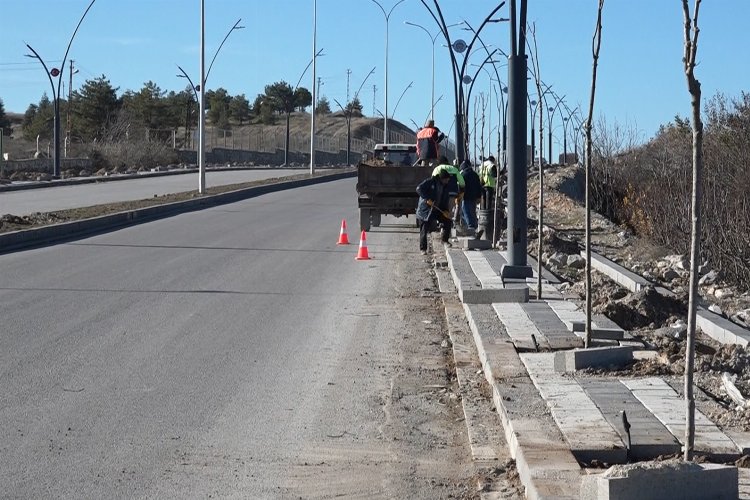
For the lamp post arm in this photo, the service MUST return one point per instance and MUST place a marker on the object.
(399, 99)
(476, 35)
(46, 70)
(444, 30)
(220, 46)
(305, 70)
(67, 50)
(468, 95)
(192, 86)
(356, 94)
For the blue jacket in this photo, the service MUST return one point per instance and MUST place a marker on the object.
(432, 189)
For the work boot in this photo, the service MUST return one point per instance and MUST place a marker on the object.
(478, 235)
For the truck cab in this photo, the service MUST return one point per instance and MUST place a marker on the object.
(396, 154)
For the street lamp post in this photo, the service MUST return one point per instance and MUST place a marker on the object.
(202, 97)
(348, 115)
(517, 192)
(58, 73)
(314, 65)
(294, 90)
(387, 16)
(433, 38)
(550, 116)
(566, 120)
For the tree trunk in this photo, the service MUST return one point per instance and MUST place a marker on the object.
(694, 87)
(596, 45)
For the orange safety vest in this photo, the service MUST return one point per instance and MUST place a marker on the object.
(427, 144)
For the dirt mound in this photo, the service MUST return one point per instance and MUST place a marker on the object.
(641, 309)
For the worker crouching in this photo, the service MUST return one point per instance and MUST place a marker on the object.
(433, 208)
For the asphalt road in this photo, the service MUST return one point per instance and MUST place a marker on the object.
(49, 199)
(234, 351)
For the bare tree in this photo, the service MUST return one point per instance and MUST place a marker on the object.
(694, 87)
(595, 45)
(540, 99)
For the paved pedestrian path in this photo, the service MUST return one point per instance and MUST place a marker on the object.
(560, 425)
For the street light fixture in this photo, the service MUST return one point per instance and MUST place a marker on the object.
(550, 116)
(387, 19)
(199, 92)
(400, 97)
(433, 38)
(459, 71)
(57, 73)
(348, 115)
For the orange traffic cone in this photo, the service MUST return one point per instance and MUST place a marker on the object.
(362, 254)
(343, 238)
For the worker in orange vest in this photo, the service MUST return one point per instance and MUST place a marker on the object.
(428, 143)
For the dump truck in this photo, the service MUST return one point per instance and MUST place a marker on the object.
(387, 183)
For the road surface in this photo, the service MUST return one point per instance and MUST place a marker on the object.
(235, 351)
(49, 199)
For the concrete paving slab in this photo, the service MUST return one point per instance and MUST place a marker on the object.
(483, 270)
(669, 408)
(549, 324)
(545, 464)
(567, 311)
(518, 326)
(469, 287)
(590, 435)
(649, 438)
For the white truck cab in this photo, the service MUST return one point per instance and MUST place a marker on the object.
(396, 154)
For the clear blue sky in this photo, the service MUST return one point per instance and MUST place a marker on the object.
(641, 83)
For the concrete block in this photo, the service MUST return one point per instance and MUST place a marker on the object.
(617, 273)
(596, 357)
(660, 480)
(721, 329)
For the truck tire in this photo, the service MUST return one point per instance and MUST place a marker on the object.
(364, 219)
(375, 217)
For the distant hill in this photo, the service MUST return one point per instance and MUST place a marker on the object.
(365, 132)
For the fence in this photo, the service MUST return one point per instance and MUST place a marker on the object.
(269, 140)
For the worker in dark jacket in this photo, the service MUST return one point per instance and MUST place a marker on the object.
(432, 210)
(428, 143)
(472, 193)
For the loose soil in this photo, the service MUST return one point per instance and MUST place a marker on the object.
(658, 321)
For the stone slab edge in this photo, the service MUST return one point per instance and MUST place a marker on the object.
(713, 325)
(619, 274)
(545, 464)
(17, 240)
(721, 329)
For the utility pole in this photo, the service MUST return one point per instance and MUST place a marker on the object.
(374, 96)
(348, 75)
(318, 93)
